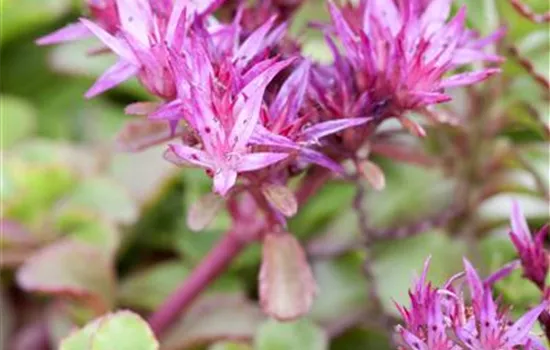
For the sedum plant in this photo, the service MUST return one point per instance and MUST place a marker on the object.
(261, 149)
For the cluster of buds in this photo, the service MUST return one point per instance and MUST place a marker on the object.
(236, 98)
(439, 318)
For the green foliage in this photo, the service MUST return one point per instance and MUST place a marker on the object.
(122, 330)
(298, 335)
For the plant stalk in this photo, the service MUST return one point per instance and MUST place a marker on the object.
(211, 267)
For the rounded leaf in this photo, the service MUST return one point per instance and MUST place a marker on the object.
(282, 198)
(123, 330)
(287, 286)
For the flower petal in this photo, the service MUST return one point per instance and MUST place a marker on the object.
(520, 329)
(224, 180)
(467, 78)
(258, 160)
(519, 223)
(118, 73)
(118, 46)
(192, 155)
(70, 32)
(330, 127)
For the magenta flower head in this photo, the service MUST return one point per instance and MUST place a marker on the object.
(534, 258)
(102, 12)
(439, 318)
(140, 35)
(398, 53)
(426, 321)
(489, 328)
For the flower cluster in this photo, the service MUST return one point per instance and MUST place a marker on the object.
(441, 319)
(225, 81)
(236, 98)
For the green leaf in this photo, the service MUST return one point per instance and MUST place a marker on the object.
(321, 209)
(70, 268)
(106, 197)
(86, 226)
(212, 318)
(230, 346)
(397, 262)
(123, 330)
(342, 288)
(411, 193)
(298, 335)
(32, 189)
(147, 289)
(23, 16)
(18, 120)
(362, 339)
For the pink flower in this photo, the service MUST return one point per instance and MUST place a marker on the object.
(439, 319)
(103, 12)
(534, 258)
(222, 102)
(397, 55)
(286, 125)
(490, 329)
(426, 321)
(140, 36)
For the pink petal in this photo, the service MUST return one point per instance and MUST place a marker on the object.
(118, 46)
(248, 112)
(253, 44)
(70, 32)
(387, 14)
(435, 15)
(464, 56)
(501, 273)
(192, 155)
(262, 136)
(519, 224)
(410, 340)
(118, 73)
(467, 78)
(292, 93)
(330, 127)
(176, 20)
(224, 180)
(521, 328)
(476, 286)
(258, 160)
(136, 18)
(168, 111)
(312, 156)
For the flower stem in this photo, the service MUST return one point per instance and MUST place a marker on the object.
(211, 267)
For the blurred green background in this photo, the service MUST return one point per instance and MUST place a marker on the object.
(80, 201)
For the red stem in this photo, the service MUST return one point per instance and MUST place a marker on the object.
(211, 267)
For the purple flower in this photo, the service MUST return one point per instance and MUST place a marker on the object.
(141, 37)
(439, 318)
(398, 53)
(287, 125)
(534, 258)
(103, 12)
(487, 328)
(426, 321)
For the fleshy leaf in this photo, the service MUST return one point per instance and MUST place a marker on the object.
(70, 268)
(374, 175)
(287, 286)
(106, 197)
(214, 317)
(142, 133)
(282, 198)
(303, 335)
(123, 330)
(18, 120)
(203, 211)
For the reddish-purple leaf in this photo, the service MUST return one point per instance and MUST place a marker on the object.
(203, 211)
(373, 174)
(282, 198)
(287, 286)
(73, 269)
